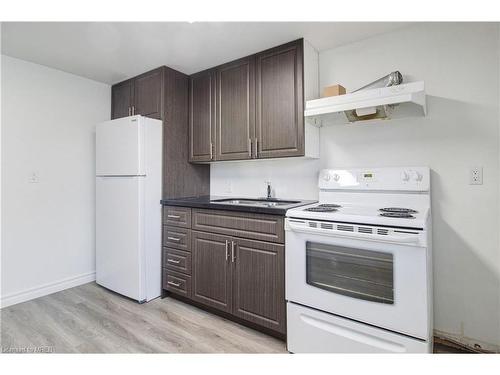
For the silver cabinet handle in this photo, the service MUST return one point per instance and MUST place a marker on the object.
(256, 155)
(173, 216)
(227, 250)
(233, 255)
(249, 148)
(133, 110)
(173, 261)
(174, 284)
(173, 239)
(129, 111)
(211, 151)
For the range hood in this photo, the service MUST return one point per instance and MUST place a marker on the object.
(400, 101)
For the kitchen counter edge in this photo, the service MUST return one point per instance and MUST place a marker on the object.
(205, 202)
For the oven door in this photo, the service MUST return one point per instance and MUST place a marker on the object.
(380, 282)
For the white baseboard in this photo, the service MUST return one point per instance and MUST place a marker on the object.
(43, 290)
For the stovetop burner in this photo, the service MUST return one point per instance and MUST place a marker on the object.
(321, 209)
(324, 207)
(399, 215)
(398, 210)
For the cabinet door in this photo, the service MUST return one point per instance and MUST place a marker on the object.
(235, 109)
(259, 283)
(148, 94)
(201, 116)
(121, 99)
(280, 101)
(211, 271)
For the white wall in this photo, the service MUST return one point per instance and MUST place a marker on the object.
(48, 119)
(290, 178)
(498, 200)
(460, 66)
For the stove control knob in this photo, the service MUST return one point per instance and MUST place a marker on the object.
(416, 176)
(405, 176)
(336, 177)
(327, 177)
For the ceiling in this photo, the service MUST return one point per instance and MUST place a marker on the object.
(110, 52)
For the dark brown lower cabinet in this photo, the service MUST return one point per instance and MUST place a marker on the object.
(177, 282)
(211, 274)
(242, 277)
(233, 262)
(259, 283)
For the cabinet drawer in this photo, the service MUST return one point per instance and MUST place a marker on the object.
(177, 238)
(177, 283)
(238, 224)
(177, 216)
(177, 260)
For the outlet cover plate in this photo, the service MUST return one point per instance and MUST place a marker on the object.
(476, 176)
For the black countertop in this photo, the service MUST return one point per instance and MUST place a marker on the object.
(206, 201)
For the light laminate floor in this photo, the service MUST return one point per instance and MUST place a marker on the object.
(91, 319)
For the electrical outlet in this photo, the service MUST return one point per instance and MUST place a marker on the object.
(228, 186)
(476, 176)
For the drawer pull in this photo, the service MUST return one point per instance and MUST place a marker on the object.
(173, 239)
(174, 284)
(173, 216)
(173, 261)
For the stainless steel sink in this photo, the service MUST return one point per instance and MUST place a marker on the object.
(255, 202)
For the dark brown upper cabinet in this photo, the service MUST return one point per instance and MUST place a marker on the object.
(163, 94)
(235, 109)
(148, 94)
(202, 116)
(122, 95)
(280, 102)
(259, 106)
(141, 95)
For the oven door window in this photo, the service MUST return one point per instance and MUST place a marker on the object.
(361, 274)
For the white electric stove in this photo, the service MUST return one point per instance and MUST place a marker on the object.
(358, 264)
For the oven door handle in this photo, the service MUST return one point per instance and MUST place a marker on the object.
(413, 239)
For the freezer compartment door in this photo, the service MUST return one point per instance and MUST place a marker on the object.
(314, 331)
(120, 147)
(119, 235)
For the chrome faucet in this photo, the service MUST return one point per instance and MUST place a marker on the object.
(269, 190)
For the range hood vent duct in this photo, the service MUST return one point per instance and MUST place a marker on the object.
(393, 102)
(391, 79)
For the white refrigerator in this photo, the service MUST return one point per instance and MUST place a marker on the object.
(128, 208)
